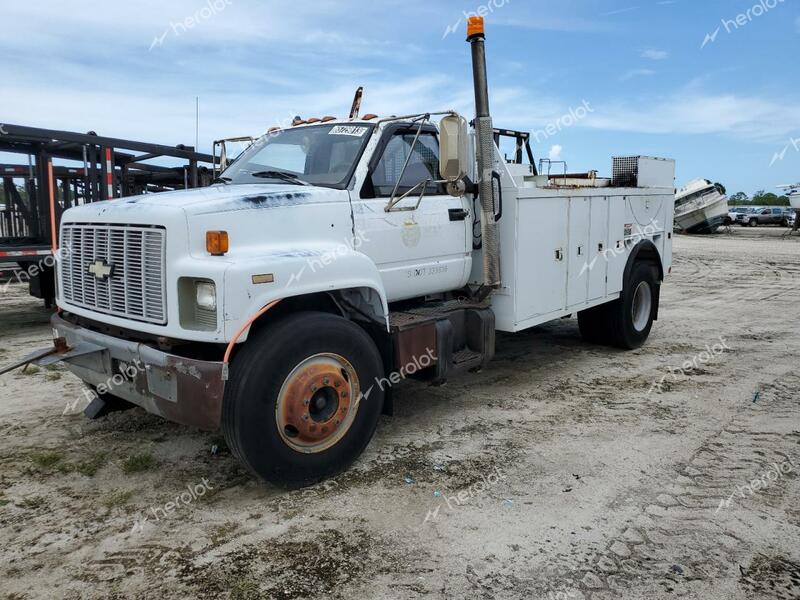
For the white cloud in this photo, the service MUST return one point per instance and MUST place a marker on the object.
(620, 11)
(653, 54)
(691, 111)
(555, 152)
(637, 73)
(544, 22)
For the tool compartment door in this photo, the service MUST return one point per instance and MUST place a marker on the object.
(578, 264)
(541, 256)
(598, 248)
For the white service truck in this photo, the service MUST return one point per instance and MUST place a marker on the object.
(337, 256)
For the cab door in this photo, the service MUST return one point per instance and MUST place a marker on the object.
(419, 246)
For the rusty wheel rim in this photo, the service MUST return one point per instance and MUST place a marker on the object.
(317, 403)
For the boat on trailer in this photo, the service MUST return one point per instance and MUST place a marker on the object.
(700, 207)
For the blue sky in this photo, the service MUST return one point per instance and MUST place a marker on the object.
(725, 111)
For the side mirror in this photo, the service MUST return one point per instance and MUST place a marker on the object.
(453, 148)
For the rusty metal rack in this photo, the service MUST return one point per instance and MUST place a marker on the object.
(34, 195)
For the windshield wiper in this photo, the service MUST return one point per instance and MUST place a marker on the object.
(282, 175)
(222, 180)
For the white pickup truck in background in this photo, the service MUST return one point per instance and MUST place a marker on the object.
(281, 304)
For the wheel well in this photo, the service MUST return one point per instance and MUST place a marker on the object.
(363, 306)
(645, 251)
(320, 302)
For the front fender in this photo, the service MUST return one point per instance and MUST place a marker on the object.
(294, 272)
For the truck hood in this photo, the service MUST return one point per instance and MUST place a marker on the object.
(211, 200)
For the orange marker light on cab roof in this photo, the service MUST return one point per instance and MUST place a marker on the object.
(474, 26)
(217, 242)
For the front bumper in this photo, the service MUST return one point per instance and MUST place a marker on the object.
(182, 390)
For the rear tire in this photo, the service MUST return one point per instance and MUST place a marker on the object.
(593, 324)
(302, 400)
(626, 322)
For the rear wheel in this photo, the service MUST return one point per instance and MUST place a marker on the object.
(626, 322)
(303, 401)
(594, 324)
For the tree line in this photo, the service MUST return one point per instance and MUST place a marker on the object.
(760, 198)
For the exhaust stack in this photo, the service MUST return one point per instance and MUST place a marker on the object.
(485, 154)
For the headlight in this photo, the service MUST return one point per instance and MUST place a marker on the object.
(206, 294)
(197, 304)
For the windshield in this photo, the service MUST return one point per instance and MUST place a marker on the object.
(324, 155)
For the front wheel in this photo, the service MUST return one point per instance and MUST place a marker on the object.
(753, 223)
(303, 399)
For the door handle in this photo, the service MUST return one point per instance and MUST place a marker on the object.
(496, 177)
(457, 214)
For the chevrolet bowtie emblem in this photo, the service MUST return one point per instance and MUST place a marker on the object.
(101, 270)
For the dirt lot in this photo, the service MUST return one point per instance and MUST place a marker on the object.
(562, 471)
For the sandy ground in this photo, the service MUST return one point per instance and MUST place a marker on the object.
(561, 471)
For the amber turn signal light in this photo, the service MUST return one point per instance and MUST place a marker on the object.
(217, 242)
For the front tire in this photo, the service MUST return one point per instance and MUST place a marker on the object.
(753, 223)
(303, 398)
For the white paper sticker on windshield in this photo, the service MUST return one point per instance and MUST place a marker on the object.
(348, 130)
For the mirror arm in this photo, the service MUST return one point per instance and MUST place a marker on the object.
(392, 202)
(422, 120)
(470, 186)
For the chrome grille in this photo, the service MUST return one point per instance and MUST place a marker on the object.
(136, 289)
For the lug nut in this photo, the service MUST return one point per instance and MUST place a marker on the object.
(326, 381)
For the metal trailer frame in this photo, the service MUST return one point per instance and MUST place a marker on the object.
(112, 168)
